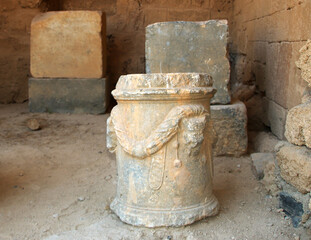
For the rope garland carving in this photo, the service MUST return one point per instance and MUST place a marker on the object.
(157, 139)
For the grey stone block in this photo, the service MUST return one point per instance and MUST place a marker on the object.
(260, 160)
(190, 47)
(274, 117)
(229, 129)
(60, 95)
(295, 205)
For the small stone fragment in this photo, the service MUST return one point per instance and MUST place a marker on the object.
(260, 161)
(280, 210)
(305, 218)
(33, 124)
(108, 177)
(81, 199)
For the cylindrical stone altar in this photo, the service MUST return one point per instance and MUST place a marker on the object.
(161, 134)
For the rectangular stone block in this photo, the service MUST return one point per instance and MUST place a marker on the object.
(275, 117)
(292, 207)
(190, 47)
(298, 125)
(68, 95)
(229, 129)
(68, 44)
(295, 165)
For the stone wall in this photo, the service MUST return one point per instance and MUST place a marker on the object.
(126, 22)
(266, 38)
(15, 18)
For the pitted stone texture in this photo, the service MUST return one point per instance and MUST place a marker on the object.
(190, 47)
(292, 207)
(160, 133)
(275, 117)
(68, 44)
(298, 125)
(304, 62)
(164, 80)
(68, 95)
(260, 160)
(295, 166)
(160, 86)
(229, 129)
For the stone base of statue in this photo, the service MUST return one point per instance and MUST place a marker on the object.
(68, 95)
(161, 133)
(164, 217)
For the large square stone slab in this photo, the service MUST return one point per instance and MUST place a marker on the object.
(68, 44)
(190, 47)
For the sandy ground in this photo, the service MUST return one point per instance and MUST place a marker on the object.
(57, 183)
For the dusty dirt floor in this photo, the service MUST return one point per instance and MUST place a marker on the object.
(57, 183)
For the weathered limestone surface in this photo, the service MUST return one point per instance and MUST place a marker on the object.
(260, 160)
(298, 125)
(262, 142)
(68, 44)
(68, 95)
(298, 122)
(274, 117)
(304, 62)
(190, 47)
(33, 124)
(164, 164)
(295, 166)
(126, 33)
(229, 129)
(271, 46)
(270, 179)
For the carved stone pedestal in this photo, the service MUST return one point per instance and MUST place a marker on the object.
(160, 131)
